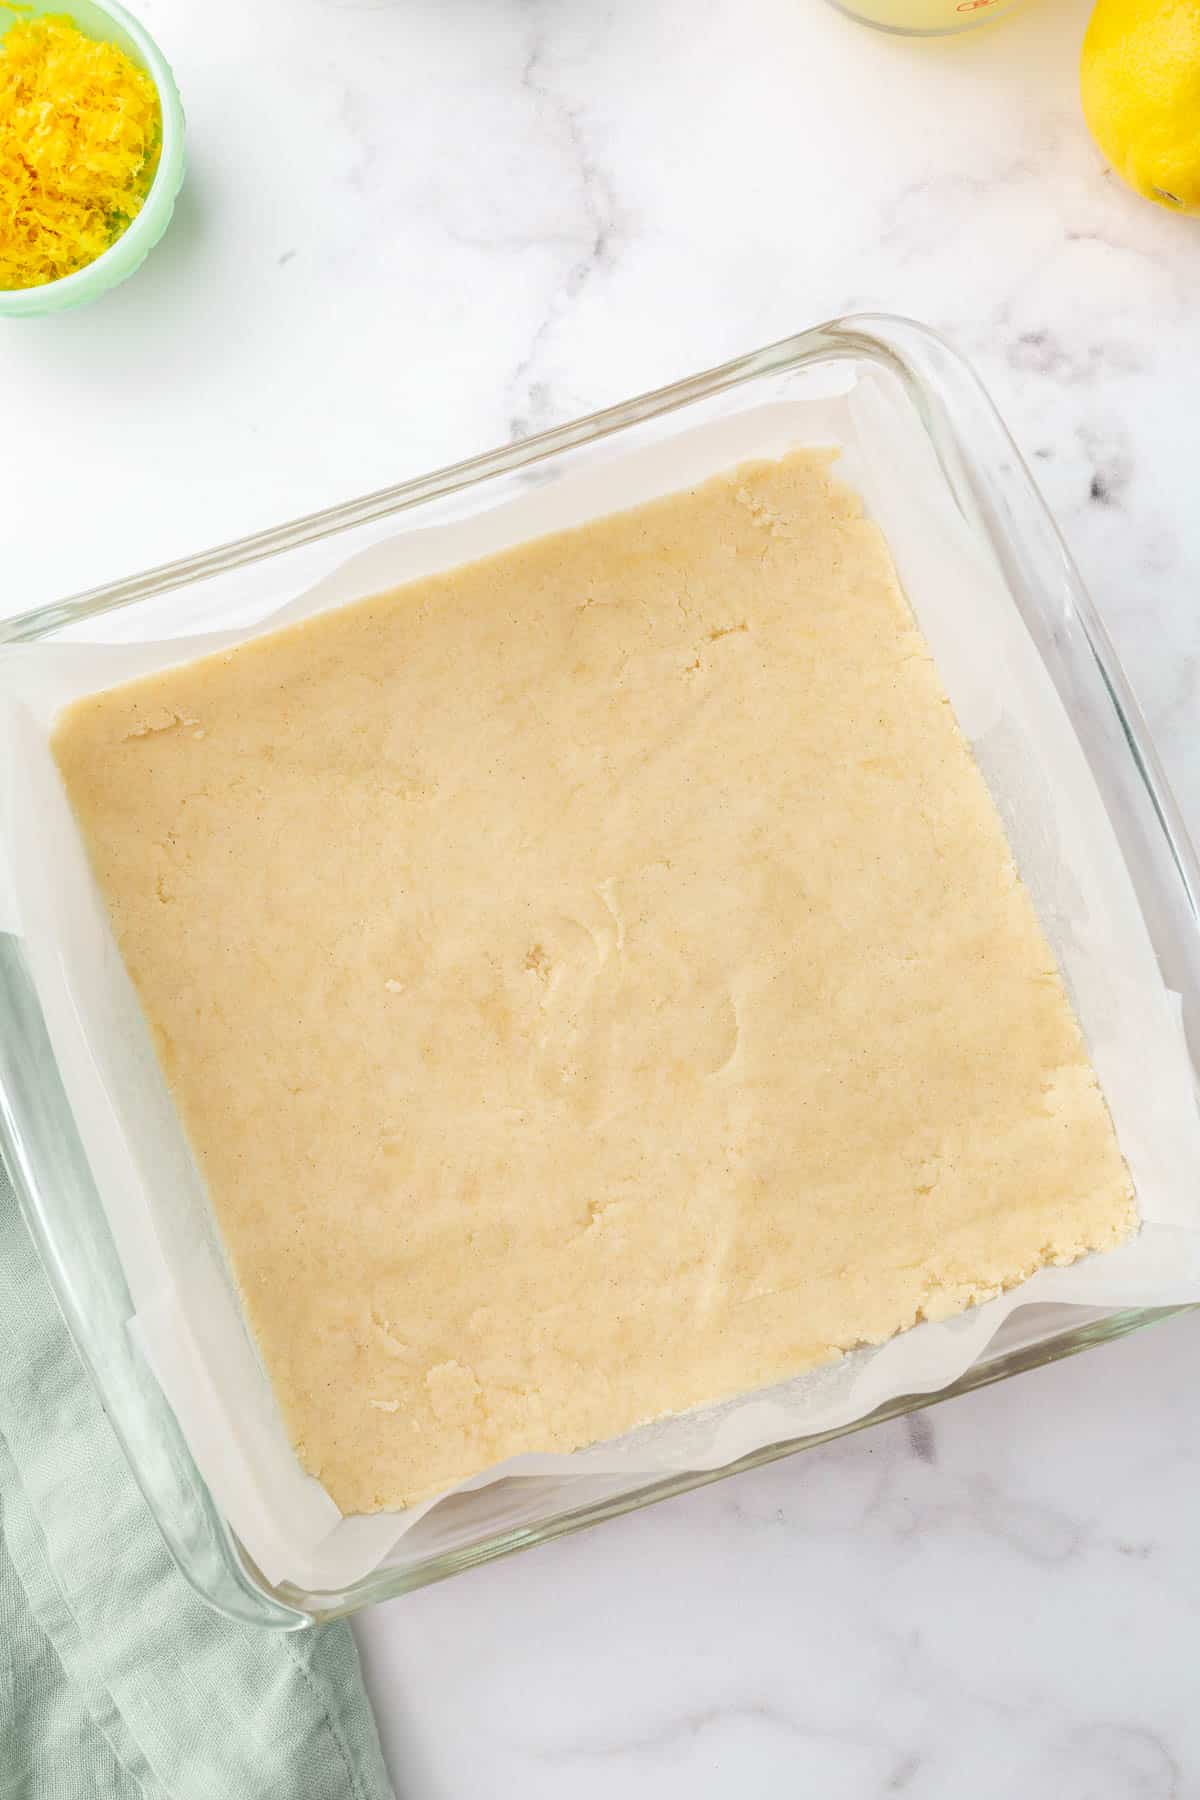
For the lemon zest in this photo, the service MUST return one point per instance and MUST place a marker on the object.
(80, 135)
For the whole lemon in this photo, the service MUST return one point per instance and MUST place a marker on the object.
(1140, 82)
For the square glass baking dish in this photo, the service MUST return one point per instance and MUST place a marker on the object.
(949, 421)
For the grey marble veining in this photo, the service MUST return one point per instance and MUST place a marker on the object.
(414, 229)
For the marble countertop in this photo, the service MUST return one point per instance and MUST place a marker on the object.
(413, 229)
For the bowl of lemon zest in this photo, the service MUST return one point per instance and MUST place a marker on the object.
(90, 124)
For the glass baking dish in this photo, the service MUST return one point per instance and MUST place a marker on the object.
(946, 419)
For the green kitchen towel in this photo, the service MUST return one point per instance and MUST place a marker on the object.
(116, 1681)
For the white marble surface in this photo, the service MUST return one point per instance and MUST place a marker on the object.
(413, 228)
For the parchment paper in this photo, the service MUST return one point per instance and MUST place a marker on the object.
(187, 1319)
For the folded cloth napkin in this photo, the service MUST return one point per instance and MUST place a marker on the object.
(116, 1681)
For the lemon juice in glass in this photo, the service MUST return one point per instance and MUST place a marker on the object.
(925, 18)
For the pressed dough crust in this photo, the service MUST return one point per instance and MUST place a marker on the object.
(594, 982)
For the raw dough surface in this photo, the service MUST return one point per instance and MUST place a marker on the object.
(594, 981)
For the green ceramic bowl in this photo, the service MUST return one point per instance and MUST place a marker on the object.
(107, 20)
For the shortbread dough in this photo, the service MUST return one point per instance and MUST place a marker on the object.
(594, 982)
